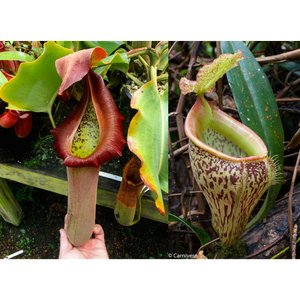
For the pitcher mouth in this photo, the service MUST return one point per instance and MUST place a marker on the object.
(205, 115)
(110, 140)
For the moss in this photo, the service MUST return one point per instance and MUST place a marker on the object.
(238, 250)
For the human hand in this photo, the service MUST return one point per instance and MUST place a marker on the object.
(94, 248)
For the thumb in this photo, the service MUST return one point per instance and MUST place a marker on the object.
(99, 233)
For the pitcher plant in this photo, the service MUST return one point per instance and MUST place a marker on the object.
(89, 137)
(230, 162)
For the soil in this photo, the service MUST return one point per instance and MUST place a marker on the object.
(38, 234)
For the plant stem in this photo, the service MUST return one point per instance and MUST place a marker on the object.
(153, 75)
(293, 247)
(284, 250)
(146, 66)
(134, 79)
(162, 77)
(145, 50)
(143, 61)
(140, 44)
(51, 119)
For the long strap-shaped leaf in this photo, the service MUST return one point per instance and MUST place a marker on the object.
(258, 110)
(148, 139)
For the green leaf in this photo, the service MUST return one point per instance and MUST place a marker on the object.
(109, 46)
(201, 234)
(2, 79)
(117, 58)
(65, 44)
(118, 61)
(35, 86)
(290, 66)
(148, 138)
(163, 60)
(16, 55)
(258, 110)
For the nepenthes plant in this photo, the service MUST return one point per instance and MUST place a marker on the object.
(93, 133)
(231, 163)
(89, 137)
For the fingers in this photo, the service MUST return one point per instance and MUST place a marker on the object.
(99, 235)
(98, 232)
(65, 245)
(63, 236)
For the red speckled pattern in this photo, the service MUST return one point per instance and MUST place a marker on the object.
(232, 189)
(111, 139)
